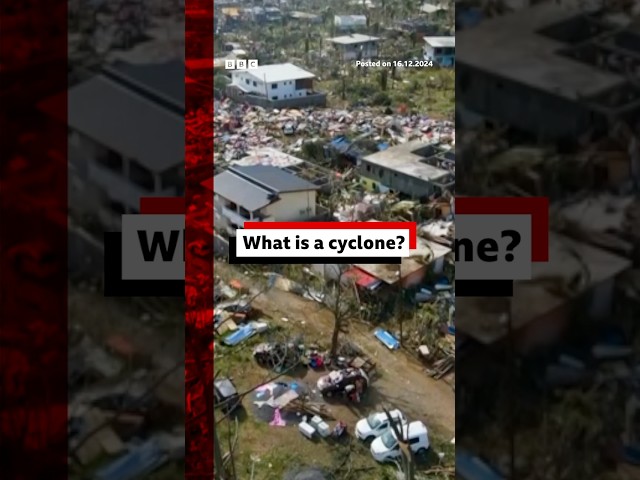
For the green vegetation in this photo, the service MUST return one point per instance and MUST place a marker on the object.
(424, 90)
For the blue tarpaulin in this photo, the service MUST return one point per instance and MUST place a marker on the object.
(240, 335)
(386, 338)
(137, 463)
(471, 467)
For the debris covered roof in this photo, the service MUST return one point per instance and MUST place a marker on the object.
(526, 56)
(407, 158)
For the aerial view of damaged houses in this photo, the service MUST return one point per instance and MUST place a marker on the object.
(328, 371)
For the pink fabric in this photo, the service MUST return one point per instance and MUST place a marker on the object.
(277, 419)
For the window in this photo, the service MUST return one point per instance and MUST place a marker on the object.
(173, 178)
(112, 160)
(246, 81)
(274, 97)
(255, 84)
(141, 176)
(368, 168)
(274, 86)
(244, 213)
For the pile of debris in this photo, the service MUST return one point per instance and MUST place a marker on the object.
(240, 128)
(124, 427)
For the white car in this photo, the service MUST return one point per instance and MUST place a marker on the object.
(386, 448)
(375, 424)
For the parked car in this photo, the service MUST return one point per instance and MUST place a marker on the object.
(225, 395)
(377, 423)
(386, 447)
(347, 382)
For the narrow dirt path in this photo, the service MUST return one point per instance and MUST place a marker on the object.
(403, 382)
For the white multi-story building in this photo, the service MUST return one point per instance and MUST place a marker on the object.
(356, 47)
(274, 82)
(126, 138)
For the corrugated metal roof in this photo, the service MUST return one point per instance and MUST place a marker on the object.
(273, 178)
(127, 123)
(165, 80)
(255, 187)
(241, 192)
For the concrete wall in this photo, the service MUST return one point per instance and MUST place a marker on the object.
(313, 100)
(548, 116)
(293, 206)
(352, 51)
(547, 329)
(84, 152)
(398, 182)
(283, 90)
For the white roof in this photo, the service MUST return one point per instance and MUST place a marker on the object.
(279, 72)
(355, 18)
(441, 41)
(355, 38)
(429, 8)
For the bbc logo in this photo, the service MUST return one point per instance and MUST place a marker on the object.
(240, 64)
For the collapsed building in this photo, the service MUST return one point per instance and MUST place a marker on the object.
(415, 169)
(553, 71)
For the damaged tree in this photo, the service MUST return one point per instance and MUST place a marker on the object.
(343, 306)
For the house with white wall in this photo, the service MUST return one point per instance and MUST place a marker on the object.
(350, 22)
(278, 86)
(356, 47)
(126, 137)
(260, 193)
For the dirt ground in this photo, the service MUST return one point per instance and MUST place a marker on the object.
(401, 383)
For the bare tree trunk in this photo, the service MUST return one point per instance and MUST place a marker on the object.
(337, 318)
